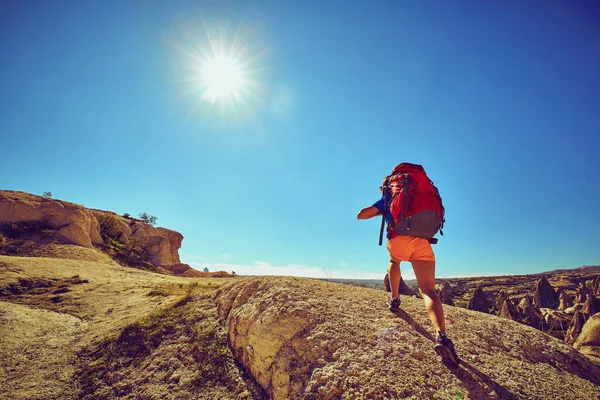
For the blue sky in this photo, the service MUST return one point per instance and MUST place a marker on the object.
(500, 101)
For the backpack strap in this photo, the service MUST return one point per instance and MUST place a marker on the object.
(406, 189)
(386, 206)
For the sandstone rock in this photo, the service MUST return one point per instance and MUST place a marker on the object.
(565, 301)
(500, 299)
(555, 319)
(595, 285)
(310, 339)
(582, 293)
(545, 296)
(575, 327)
(574, 308)
(591, 306)
(479, 301)
(77, 225)
(445, 293)
(74, 223)
(510, 311)
(588, 341)
(175, 240)
(403, 288)
(530, 314)
(159, 249)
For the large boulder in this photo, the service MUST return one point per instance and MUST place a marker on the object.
(403, 288)
(545, 296)
(445, 293)
(501, 297)
(575, 327)
(479, 301)
(565, 301)
(308, 339)
(72, 223)
(510, 311)
(588, 341)
(530, 314)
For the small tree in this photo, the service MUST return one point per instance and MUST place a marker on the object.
(47, 195)
(149, 219)
(126, 215)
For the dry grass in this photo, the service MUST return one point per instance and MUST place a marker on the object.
(72, 328)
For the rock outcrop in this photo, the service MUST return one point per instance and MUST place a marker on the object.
(305, 339)
(71, 223)
(545, 296)
(445, 292)
(575, 327)
(591, 306)
(588, 341)
(531, 315)
(67, 223)
(403, 288)
(565, 301)
(479, 301)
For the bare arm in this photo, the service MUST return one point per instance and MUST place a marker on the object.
(368, 212)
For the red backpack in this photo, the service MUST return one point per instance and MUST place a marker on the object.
(417, 210)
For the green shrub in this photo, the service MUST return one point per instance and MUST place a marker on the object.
(110, 227)
(149, 219)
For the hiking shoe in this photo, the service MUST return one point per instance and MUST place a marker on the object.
(445, 349)
(394, 304)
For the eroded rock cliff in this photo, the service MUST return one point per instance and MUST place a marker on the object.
(44, 220)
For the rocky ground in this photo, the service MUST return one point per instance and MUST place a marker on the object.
(305, 339)
(92, 329)
(85, 327)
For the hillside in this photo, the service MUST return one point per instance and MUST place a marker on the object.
(305, 338)
(93, 329)
(78, 329)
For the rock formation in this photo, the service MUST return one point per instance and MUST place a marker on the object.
(479, 301)
(545, 296)
(596, 286)
(403, 288)
(591, 306)
(575, 327)
(588, 341)
(445, 292)
(500, 299)
(309, 339)
(565, 301)
(63, 222)
(530, 314)
(510, 311)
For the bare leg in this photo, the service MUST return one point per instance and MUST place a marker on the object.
(425, 274)
(394, 276)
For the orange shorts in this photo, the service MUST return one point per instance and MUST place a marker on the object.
(410, 248)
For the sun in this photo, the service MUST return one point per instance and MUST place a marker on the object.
(221, 70)
(222, 79)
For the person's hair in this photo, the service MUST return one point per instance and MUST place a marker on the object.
(384, 183)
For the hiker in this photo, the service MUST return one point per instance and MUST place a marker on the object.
(417, 251)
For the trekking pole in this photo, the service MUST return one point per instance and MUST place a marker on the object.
(381, 230)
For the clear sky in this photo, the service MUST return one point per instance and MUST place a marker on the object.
(109, 104)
